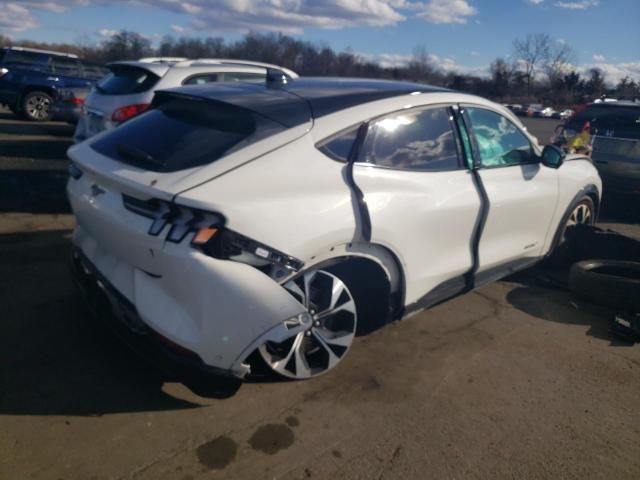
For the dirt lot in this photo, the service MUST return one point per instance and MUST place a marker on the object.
(516, 380)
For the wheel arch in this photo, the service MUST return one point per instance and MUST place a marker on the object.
(591, 191)
(376, 264)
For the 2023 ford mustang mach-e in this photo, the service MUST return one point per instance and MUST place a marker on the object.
(278, 221)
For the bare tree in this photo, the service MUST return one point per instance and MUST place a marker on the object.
(531, 52)
(419, 68)
(559, 59)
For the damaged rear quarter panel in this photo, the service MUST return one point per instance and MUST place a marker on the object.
(294, 199)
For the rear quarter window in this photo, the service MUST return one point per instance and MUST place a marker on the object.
(177, 134)
(125, 80)
(339, 146)
(20, 59)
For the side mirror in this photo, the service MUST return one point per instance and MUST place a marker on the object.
(552, 156)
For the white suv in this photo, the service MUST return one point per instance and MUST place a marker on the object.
(276, 222)
(129, 87)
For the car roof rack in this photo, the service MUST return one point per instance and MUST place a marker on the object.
(162, 59)
(202, 62)
(38, 50)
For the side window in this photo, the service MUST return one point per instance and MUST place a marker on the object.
(500, 142)
(243, 77)
(66, 66)
(201, 79)
(339, 147)
(18, 58)
(413, 140)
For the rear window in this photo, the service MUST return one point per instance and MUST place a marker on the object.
(124, 80)
(177, 134)
(610, 121)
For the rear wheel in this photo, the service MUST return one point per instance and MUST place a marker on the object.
(332, 322)
(36, 106)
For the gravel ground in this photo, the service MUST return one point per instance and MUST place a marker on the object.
(515, 380)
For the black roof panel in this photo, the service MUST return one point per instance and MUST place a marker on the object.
(301, 99)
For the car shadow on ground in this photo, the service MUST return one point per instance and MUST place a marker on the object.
(543, 294)
(12, 125)
(55, 359)
(33, 191)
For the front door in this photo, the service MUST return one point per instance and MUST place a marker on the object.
(521, 193)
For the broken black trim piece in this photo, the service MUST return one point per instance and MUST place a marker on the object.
(363, 209)
(226, 244)
(483, 213)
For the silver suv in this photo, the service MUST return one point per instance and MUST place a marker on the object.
(129, 87)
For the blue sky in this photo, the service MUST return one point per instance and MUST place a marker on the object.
(463, 35)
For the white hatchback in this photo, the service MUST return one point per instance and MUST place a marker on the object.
(127, 90)
(278, 221)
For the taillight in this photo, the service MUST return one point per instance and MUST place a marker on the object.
(3, 71)
(127, 112)
(76, 101)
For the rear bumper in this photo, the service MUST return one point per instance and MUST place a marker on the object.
(119, 314)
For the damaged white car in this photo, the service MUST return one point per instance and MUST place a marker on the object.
(275, 222)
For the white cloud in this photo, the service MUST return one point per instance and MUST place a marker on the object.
(441, 63)
(599, 58)
(578, 5)
(16, 18)
(535, 2)
(447, 11)
(288, 16)
(614, 72)
(106, 32)
(177, 28)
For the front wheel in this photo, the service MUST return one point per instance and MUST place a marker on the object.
(36, 106)
(331, 328)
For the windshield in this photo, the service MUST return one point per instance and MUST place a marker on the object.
(184, 133)
(124, 80)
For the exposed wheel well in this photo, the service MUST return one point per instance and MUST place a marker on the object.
(371, 289)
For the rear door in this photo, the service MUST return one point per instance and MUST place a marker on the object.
(421, 198)
(521, 193)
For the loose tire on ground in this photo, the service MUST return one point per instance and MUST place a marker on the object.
(611, 283)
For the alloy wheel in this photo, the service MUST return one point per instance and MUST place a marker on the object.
(581, 214)
(329, 327)
(37, 107)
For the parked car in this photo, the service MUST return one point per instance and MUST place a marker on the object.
(68, 104)
(534, 110)
(29, 79)
(565, 114)
(547, 112)
(241, 221)
(129, 88)
(612, 132)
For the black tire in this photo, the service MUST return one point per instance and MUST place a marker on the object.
(563, 250)
(35, 106)
(607, 282)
